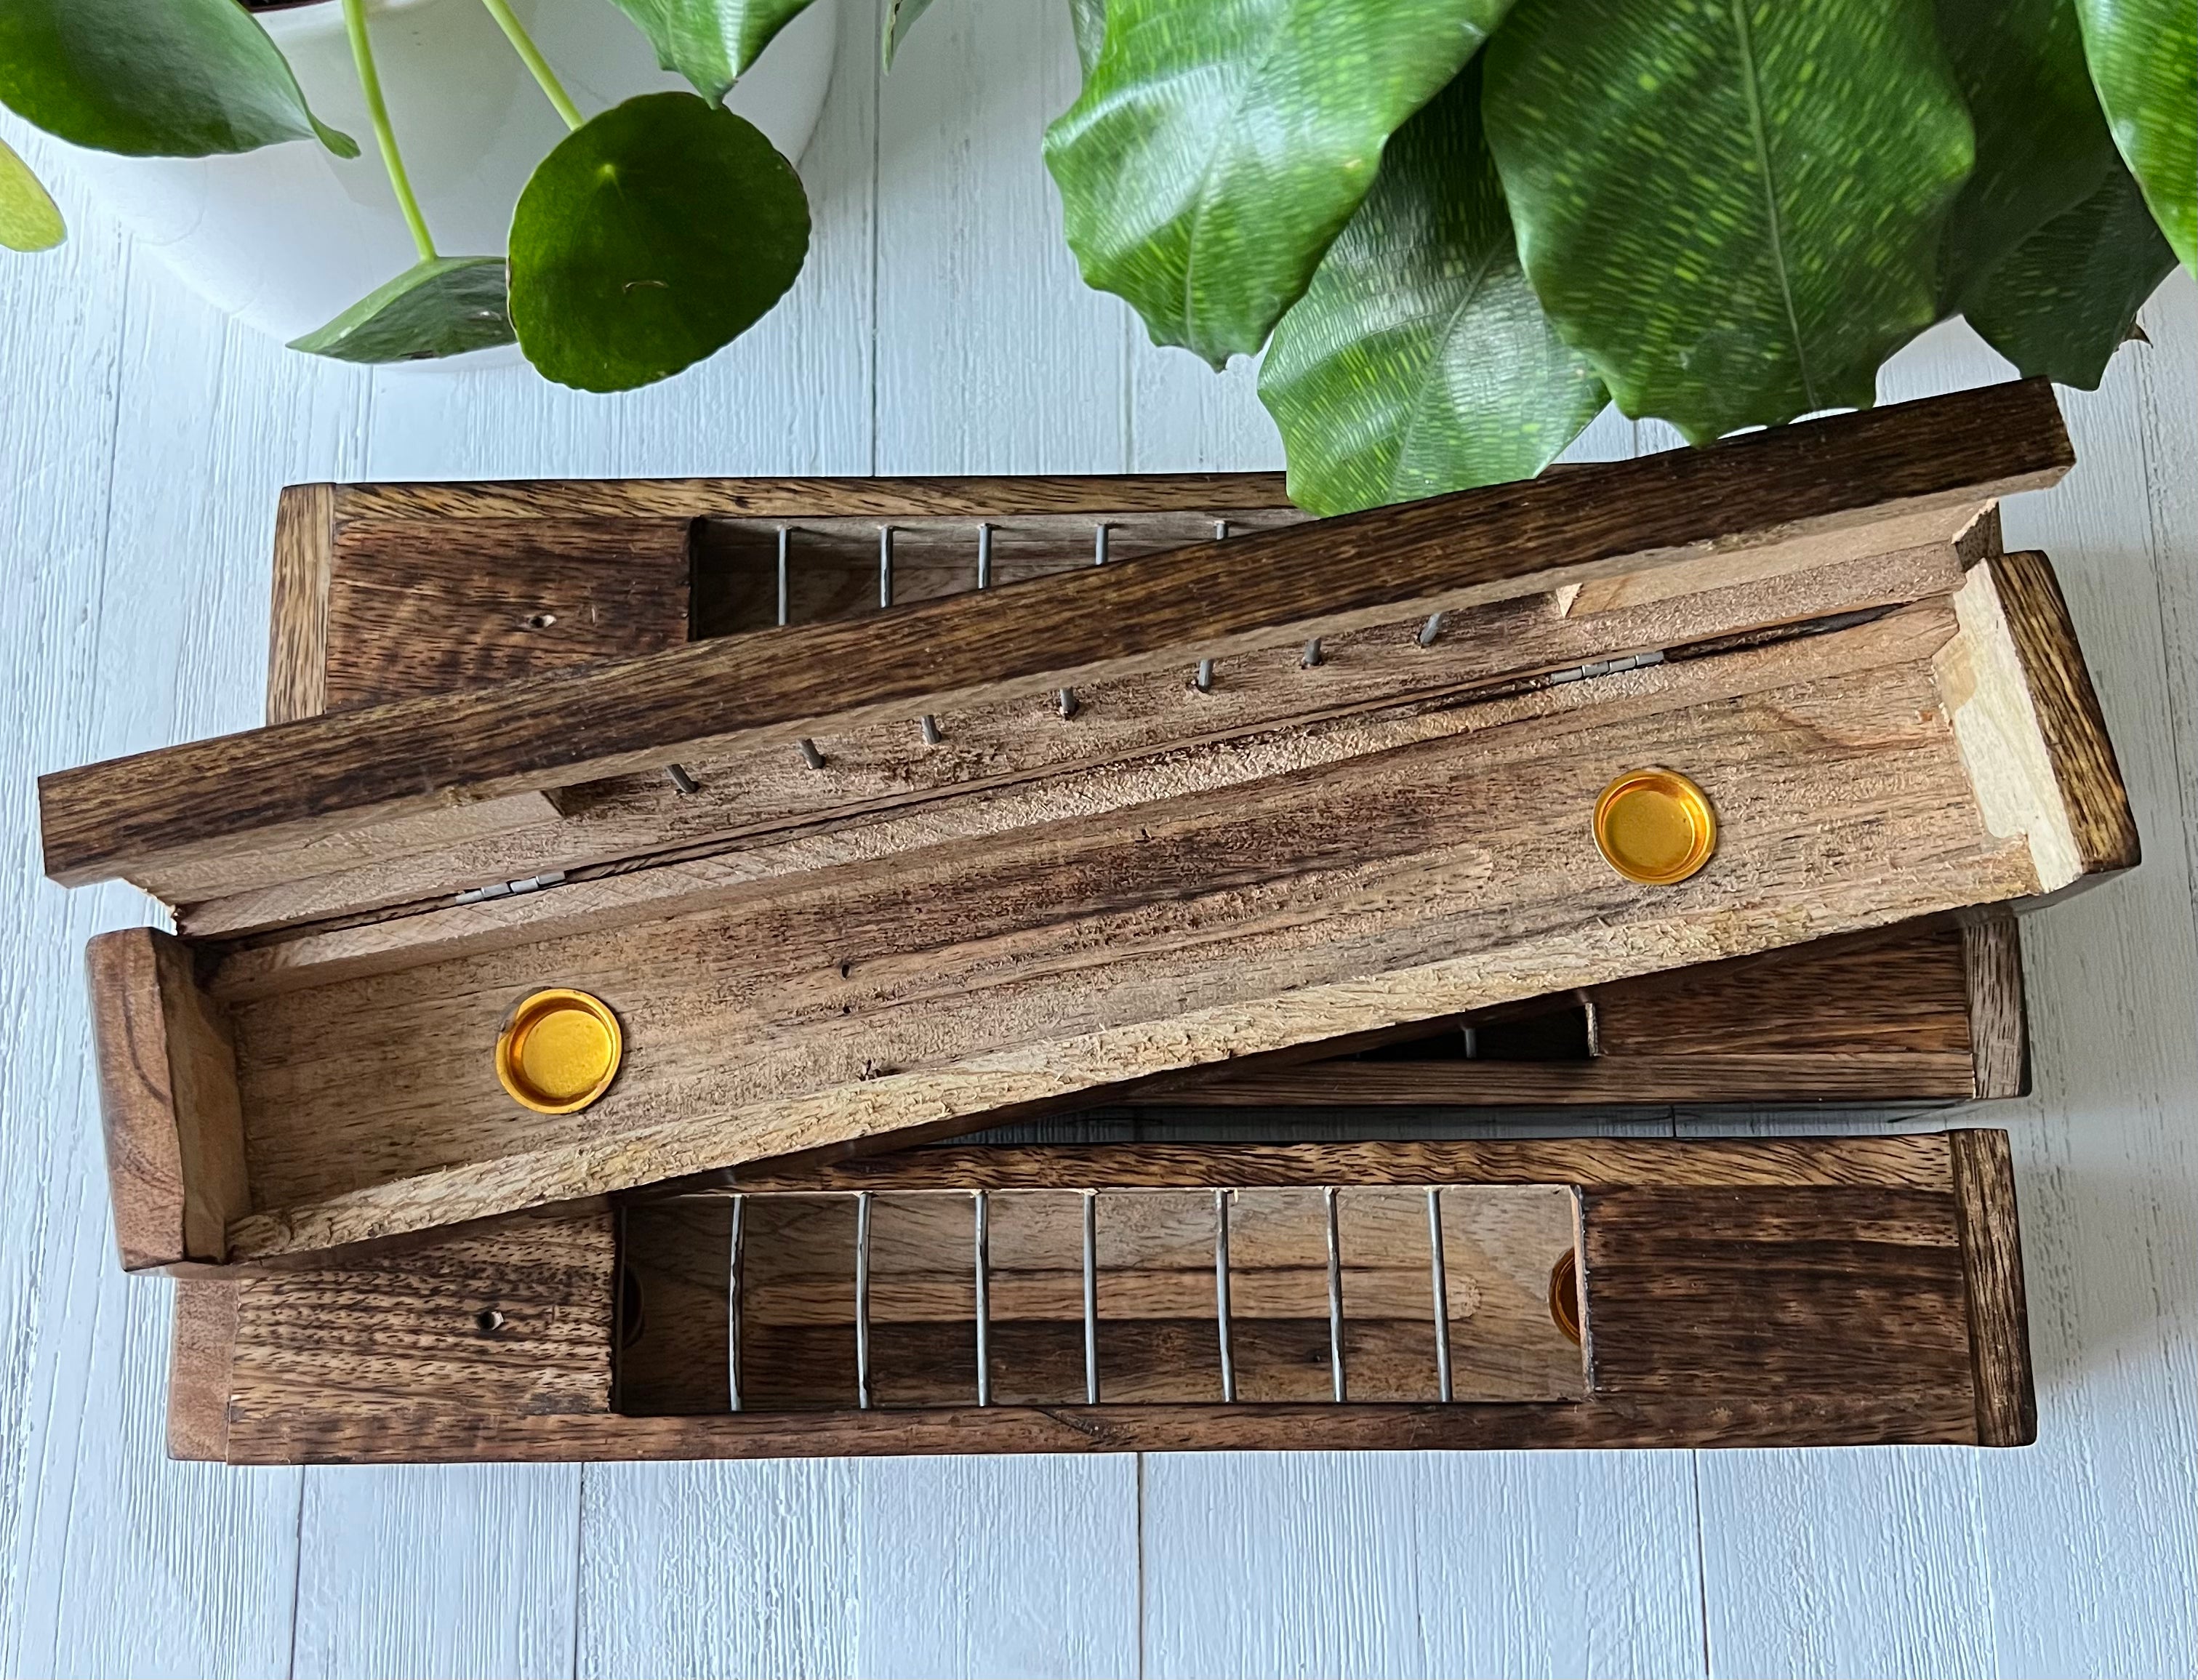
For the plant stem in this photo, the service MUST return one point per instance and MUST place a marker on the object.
(369, 83)
(531, 56)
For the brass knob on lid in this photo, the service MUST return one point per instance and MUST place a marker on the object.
(1654, 826)
(559, 1051)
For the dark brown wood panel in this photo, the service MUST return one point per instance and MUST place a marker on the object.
(134, 816)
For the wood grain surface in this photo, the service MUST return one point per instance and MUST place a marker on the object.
(1832, 1292)
(1772, 501)
(147, 446)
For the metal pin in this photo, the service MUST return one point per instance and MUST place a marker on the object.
(984, 557)
(1430, 629)
(733, 1307)
(1091, 1297)
(1221, 530)
(1311, 657)
(1202, 679)
(885, 565)
(1221, 1292)
(810, 755)
(984, 1302)
(1065, 703)
(862, 1301)
(931, 734)
(1442, 1290)
(684, 782)
(785, 548)
(1098, 545)
(1335, 1295)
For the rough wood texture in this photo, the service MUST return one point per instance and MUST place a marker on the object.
(1828, 1288)
(422, 607)
(1339, 901)
(1992, 1257)
(1999, 1028)
(168, 1100)
(1915, 474)
(298, 607)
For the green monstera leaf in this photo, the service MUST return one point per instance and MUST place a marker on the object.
(2144, 55)
(29, 218)
(711, 42)
(442, 306)
(153, 77)
(1418, 361)
(1732, 207)
(2042, 142)
(1218, 147)
(2068, 297)
(652, 236)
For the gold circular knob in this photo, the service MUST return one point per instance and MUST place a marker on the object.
(559, 1051)
(1654, 826)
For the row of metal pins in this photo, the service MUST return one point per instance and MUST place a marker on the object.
(1222, 1320)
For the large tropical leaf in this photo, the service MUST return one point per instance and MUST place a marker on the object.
(440, 306)
(153, 77)
(2144, 61)
(1732, 207)
(653, 233)
(1418, 360)
(29, 220)
(711, 43)
(1219, 145)
(2069, 296)
(2042, 142)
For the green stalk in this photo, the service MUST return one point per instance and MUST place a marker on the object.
(369, 83)
(531, 56)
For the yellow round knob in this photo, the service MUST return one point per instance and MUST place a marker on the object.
(559, 1051)
(1654, 826)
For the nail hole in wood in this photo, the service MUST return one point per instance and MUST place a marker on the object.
(488, 1321)
(541, 620)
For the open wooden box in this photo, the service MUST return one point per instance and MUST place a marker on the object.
(991, 854)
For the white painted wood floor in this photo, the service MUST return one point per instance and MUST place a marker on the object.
(940, 328)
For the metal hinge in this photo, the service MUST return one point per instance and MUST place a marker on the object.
(1607, 667)
(505, 889)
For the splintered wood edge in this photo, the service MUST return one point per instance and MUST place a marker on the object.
(298, 607)
(2028, 725)
(296, 781)
(169, 1111)
(1999, 1023)
(1991, 1266)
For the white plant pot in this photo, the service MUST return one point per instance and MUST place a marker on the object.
(286, 237)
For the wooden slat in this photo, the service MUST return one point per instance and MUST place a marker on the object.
(1992, 1260)
(168, 1100)
(1999, 1029)
(298, 605)
(1912, 473)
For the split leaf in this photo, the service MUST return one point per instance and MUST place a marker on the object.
(29, 218)
(1733, 208)
(2144, 55)
(153, 78)
(1418, 361)
(2069, 296)
(711, 42)
(651, 236)
(1217, 148)
(444, 306)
